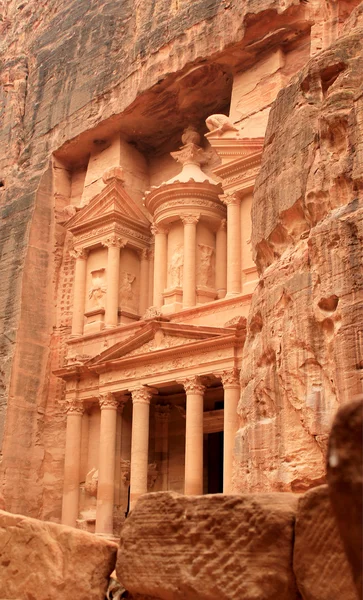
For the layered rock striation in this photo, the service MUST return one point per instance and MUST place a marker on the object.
(303, 352)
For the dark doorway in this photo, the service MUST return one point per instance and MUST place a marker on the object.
(214, 462)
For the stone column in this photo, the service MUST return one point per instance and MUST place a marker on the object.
(160, 264)
(139, 443)
(189, 267)
(106, 464)
(144, 280)
(162, 412)
(194, 436)
(79, 291)
(113, 244)
(234, 267)
(72, 461)
(231, 386)
(221, 259)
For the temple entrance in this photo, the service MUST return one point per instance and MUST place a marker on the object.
(213, 461)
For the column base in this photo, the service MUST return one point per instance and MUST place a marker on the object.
(232, 294)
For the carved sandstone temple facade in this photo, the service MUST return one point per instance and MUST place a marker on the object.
(151, 277)
(160, 298)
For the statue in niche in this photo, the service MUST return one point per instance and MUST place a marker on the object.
(91, 483)
(97, 290)
(206, 270)
(176, 267)
(127, 294)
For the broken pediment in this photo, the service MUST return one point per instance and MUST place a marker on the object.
(112, 204)
(157, 336)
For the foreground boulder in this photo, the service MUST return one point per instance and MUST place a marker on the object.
(345, 480)
(209, 547)
(320, 564)
(45, 561)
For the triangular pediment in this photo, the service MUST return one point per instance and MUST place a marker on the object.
(113, 202)
(157, 336)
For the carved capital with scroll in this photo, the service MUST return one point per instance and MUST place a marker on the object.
(141, 395)
(74, 407)
(193, 385)
(190, 219)
(157, 228)
(108, 401)
(78, 253)
(230, 199)
(114, 240)
(230, 377)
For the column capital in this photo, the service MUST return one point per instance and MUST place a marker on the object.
(114, 240)
(193, 385)
(78, 253)
(190, 219)
(223, 225)
(230, 199)
(157, 228)
(230, 377)
(140, 395)
(108, 401)
(162, 412)
(144, 253)
(74, 407)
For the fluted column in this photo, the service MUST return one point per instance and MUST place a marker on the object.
(72, 461)
(139, 443)
(79, 291)
(162, 413)
(234, 267)
(160, 264)
(194, 436)
(221, 259)
(106, 463)
(144, 280)
(231, 386)
(189, 267)
(113, 244)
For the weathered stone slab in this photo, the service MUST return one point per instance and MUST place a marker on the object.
(345, 481)
(320, 565)
(208, 547)
(43, 561)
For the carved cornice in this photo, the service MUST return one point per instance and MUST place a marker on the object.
(115, 241)
(190, 219)
(141, 395)
(193, 385)
(74, 407)
(230, 378)
(108, 401)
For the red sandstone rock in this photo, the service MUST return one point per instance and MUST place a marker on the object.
(44, 561)
(320, 565)
(302, 347)
(208, 547)
(345, 480)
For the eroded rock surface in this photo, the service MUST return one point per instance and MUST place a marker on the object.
(302, 353)
(209, 547)
(320, 564)
(345, 480)
(43, 561)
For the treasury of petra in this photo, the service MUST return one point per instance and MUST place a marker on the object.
(181, 197)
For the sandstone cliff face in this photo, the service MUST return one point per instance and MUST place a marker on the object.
(303, 351)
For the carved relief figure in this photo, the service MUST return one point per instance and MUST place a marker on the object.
(127, 294)
(206, 269)
(176, 267)
(97, 290)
